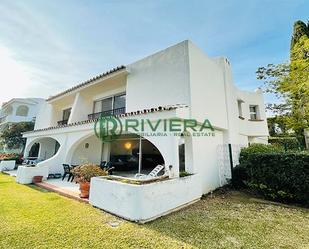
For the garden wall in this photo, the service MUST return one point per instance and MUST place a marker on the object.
(144, 202)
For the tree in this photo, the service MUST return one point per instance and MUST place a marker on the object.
(290, 82)
(277, 126)
(11, 136)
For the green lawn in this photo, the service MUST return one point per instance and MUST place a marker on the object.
(34, 218)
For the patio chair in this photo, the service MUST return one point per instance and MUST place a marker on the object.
(154, 173)
(107, 166)
(67, 171)
(103, 164)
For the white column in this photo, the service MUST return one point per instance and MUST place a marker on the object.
(140, 154)
(80, 109)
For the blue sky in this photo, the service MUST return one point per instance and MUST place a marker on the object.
(48, 46)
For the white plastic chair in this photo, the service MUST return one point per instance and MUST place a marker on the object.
(152, 174)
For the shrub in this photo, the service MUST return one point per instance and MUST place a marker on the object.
(86, 171)
(282, 176)
(11, 156)
(287, 143)
(258, 148)
(184, 174)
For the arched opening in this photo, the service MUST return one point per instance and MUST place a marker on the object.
(22, 110)
(42, 149)
(34, 151)
(134, 154)
(128, 154)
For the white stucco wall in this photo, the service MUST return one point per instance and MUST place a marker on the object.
(246, 126)
(33, 104)
(44, 117)
(47, 148)
(159, 80)
(25, 174)
(207, 89)
(143, 202)
(92, 154)
(7, 165)
(206, 161)
(81, 107)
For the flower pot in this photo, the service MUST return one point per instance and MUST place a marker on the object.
(84, 188)
(37, 179)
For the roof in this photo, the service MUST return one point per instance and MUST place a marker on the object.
(87, 82)
(24, 100)
(139, 112)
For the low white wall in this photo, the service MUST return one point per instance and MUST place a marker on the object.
(25, 174)
(142, 203)
(258, 140)
(7, 165)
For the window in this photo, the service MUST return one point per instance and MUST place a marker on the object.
(239, 103)
(253, 112)
(97, 106)
(106, 105)
(103, 105)
(120, 101)
(22, 110)
(66, 114)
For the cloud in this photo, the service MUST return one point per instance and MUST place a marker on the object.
(15, 78)
(43, 62)
(60, 43)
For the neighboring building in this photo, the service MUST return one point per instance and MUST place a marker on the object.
(178, 82)
(19, 110)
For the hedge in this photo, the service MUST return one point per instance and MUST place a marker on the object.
(281, 176)
(258, 148)
(288, 143)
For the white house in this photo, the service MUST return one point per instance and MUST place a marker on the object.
(19, 110)
(177, 83)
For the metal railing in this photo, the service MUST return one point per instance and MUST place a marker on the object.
(63, 122)
(116, 111)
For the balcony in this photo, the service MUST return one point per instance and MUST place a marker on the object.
(63, 122)
(107, 113)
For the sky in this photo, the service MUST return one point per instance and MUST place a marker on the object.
(49, 46)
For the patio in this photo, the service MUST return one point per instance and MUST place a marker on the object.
(10, 172)
(64, 188)
(71, 189)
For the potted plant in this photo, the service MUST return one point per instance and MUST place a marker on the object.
(84, 173)
(37, 179)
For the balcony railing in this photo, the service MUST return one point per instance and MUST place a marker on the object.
(63, 122)
(116, 111)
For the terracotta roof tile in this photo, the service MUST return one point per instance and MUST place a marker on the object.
(139, 112)
(87, 82)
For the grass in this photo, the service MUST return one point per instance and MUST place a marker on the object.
(33, 218)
